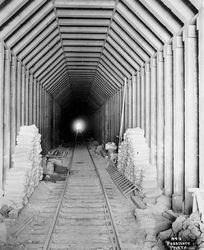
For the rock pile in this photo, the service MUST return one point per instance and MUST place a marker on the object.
(187, 229)
(133, 162)
(24, 176)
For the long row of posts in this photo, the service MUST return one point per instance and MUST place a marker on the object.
(166, 99)
(23, 101)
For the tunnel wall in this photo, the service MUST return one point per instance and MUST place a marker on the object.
(163, 98)
(23, 102)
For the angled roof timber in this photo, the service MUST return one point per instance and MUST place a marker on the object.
(52, 72)
(41, 65)
(55, 78)
(100, 79)
(139, 26)
(20, 29)
(38, 46)
(107, 81)
(106, 73)
(99, 86)
(120, 58)
(146, 17)
(49, 69)
(133, 33)
(11, 8)
(115, 62)
(131, 43)
(126, 48)
(198, 4)
(112, 73)
(60, 80)
(35, 58)
(37, 33)
(55, 73)
(61, 91)
(59, 87)
(176, 6)
(112, 66)
(171, 22)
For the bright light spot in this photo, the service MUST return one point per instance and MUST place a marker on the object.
(79, 126)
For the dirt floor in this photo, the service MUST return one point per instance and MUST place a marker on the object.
(35, 218)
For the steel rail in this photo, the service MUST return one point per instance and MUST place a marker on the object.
(112, 231)
(115, 238)
(49, 237)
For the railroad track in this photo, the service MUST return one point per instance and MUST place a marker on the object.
(83, 219)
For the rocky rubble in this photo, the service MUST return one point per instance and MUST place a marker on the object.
(22, 179)
(186, 229)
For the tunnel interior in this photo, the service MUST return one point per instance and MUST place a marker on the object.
(64, 59)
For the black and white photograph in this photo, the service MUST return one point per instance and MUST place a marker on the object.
(101, 124)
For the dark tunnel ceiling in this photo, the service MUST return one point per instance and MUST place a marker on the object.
(83, 49)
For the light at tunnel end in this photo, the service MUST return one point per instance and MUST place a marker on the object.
(79, 126)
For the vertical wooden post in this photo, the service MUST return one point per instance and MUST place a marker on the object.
(153, 110)
(134, 101)
(178, 129)
(30, 105)
(147, 102)
(160, 119)
(27, 97)
(168, 130)
(142, 111)
(34, 101)
(130, 103)
(201, 97)
(191, 114)
(138, 107)
(7, 113)
(22, 95)
(18, 97)
(13, 104)
(2, 71)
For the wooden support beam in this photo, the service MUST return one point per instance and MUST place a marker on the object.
(191, 113)
(153, 86)
(160, 119)
(139, 26)
(147, 102)
(18, 97)
(23, 98)
(168, 116)
(151, 22)
(13, 103)
(178, 118)
(7, 112)
(2, 72)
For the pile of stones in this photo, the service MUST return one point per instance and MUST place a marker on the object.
(186, 229)
(26, 172)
